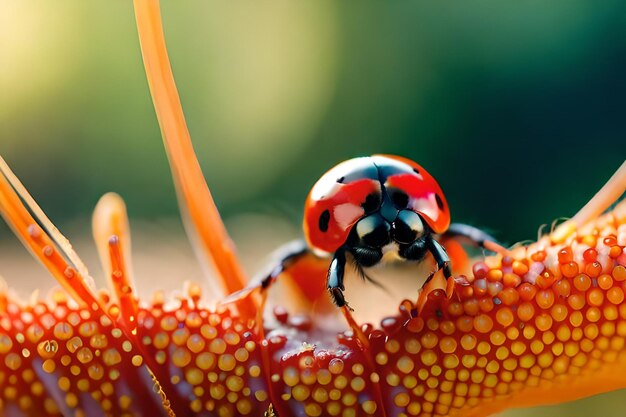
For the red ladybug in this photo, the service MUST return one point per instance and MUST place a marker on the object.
(366, 207)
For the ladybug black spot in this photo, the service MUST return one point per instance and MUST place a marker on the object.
(439, 201)
(323, 221)
(340, 180)
(416, 171)
(371, 203)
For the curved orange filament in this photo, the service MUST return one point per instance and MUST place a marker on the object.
(112, 237)
(109, 219)
(195, 199)
(46, 250)
(608, 194)
(42, 246)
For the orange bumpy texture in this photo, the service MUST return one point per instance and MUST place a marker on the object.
(545, 325)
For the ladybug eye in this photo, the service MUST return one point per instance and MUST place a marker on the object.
(371, 203)
(323, 221)
(399, 199)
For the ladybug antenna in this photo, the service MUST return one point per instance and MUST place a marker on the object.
(365, 277)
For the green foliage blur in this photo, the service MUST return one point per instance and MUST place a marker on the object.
(517, 108)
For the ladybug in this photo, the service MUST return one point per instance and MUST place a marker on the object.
(368, 208)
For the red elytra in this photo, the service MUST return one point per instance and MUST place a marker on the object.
(336, 201)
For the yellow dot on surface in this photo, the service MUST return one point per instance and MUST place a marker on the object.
(320, 395)
(196, 405)
(107, 388)
(369, 406)
(545, 359)
(382, 358)
(226, 362)
(333, 408)
(137, 360)
(217, 346)
(300, 392)
(341, 382)
(242, 354)
(392, 346)
(451, 361)
(429, 340)
(46, 349)
(448, 345)
(335, 366)
(483, 348)
(536, 346)
(169, 323)
(291, 376)
(483, 323)
(334, 394)
(195, 343)
(313, 410)
(181, 357)
(71, 400)
(95, 372)
(125, 402)
(98, 341)
(194, 376)
(405, 364)
(358, 369)
(468, 342)
(127, 346)
(244, 406)
(412, 346)
(497, 338)
(260, 395)
(217, 391)
(64, 383)
(527, 361)
(49, 366)
(504, 316)
(84, 355)
(428, 357)
(357, 384)
(63, 331)
(324, 377)
(518, 348)
(402, 399)
(254, 371)
(393, 379)
(502, 353)
(5, 343)
(161, 340)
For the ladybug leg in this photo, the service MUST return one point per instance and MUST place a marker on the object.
(441, 257)
(287, 256)
(475, 235)
(335, 277)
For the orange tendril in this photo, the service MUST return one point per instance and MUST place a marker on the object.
(601, 201)
(203, 220)
(112, 237)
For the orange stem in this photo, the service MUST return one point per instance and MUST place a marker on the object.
(193, 193)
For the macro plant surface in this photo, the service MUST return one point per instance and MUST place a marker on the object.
(540, 323)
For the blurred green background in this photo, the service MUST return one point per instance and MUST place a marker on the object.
(517, 108)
